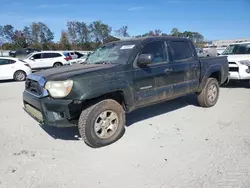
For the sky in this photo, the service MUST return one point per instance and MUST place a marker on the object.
(215, 20)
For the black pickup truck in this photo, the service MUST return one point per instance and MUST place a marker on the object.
(118, 78)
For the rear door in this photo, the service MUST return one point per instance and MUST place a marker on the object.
(48, 59)
(185, 66)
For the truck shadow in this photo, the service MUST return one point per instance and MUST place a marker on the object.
(159, 109)
(69, 133)
(131, 118)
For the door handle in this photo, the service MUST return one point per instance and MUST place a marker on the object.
(194, 66)
(168, 70)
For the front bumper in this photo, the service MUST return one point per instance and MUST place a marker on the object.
(52, 112)
(239, 72)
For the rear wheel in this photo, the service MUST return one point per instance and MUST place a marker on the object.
(210, 93)
(20, 76)
(102, 123)
(57, 64)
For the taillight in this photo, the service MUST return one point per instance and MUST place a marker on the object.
(68, 58)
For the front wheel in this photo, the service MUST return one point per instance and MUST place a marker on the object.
(210, 93)
(102, 123)
(20, 76)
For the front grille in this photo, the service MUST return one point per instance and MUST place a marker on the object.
(33, 87)
(234, 69)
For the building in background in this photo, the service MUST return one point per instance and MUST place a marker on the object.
(225, 43)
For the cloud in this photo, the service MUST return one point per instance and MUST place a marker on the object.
(135, 8)
(52, 6)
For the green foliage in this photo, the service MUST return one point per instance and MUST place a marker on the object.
(77, 36)
(122, 32)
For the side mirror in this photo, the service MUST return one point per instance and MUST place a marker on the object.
(32, 58)
(144, 59)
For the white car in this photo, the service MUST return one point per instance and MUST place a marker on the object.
(46, 59)
(238, 56)
(75, 55)
(79, 60)
(13, 68)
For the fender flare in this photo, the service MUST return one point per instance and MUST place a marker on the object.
(109, 87)
(208, 73)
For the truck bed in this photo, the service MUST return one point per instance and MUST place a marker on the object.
(208, 63)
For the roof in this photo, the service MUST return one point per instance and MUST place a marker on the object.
(150, 38)
(240, 43)
(11, 58)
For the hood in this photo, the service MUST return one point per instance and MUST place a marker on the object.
(234, 58)
(65, 72)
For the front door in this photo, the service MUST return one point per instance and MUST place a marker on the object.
(35, 61)
(153, 82)
(6, 69)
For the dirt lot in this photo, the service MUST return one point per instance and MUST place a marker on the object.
(174, 144)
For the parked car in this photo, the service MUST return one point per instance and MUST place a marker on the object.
(46, 59)
(13, 68)
(75, 54)
(206, 52)
(79, 60)
(238, 56)
(22, 52)
(118, 78)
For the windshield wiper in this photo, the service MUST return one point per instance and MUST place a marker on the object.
(103, 62)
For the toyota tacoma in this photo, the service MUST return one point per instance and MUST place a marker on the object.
(118, 78)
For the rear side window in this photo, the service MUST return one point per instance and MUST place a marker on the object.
(51, 55)
(180, 50)
(6, 61)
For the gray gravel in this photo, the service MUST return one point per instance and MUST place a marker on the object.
(173, 144)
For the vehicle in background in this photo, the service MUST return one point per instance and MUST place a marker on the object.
(206, 52)
(75, 54)
(120, 77)
(238, 55)
(68, 56)
(46, 59)
(13, 68)
(220, 50)
(22, 52)
(79, 60)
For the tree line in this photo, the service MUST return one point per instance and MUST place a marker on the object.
(77, 36)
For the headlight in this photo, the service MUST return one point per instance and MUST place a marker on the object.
(59, 89)
(245, 62)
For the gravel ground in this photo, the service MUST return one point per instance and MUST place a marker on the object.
(173, 144)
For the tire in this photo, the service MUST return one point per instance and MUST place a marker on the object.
(57, 64)
(91, 119)
(20, 75)
(210, 93)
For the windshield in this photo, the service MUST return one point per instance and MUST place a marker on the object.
(237, 49)
(115, 53)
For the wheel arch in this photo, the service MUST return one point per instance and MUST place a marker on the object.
(18, 71)
(213, 73)
(122, 93)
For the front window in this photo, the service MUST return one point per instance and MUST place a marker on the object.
(115, 53)
(237, 49)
